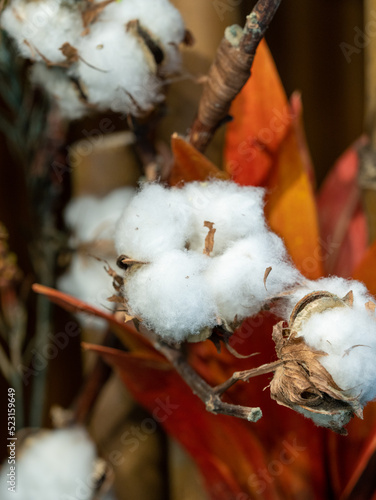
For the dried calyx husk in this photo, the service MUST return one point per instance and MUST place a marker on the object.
(301, 382)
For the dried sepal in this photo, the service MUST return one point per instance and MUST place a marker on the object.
(268, 270)
(209, 240)
(70, 52)
(301, 382)
(370, 306)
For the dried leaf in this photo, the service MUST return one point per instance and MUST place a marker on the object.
(370, 306)
(268, 270)
(209, 240)
(91, 13)
(70, 52)
(190, 165)
(116, 299)
(349, 298)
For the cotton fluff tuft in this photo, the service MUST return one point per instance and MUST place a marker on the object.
(92, 222)
(171, 294)
(60, 88)
(237, 212)
(157, 220)
(112, 63)
(55, 464)
(178, 291)
(348, 336)
(45, 25)
(236, 277)
(116, 73)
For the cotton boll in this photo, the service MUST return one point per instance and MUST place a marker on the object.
(348, 335)
(31, 21)
(157, 220)
(171, 295)
(236, 278)
(54, 464)
(115, 71)
(236, 211)
(59, 87)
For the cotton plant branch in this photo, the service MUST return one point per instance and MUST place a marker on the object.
(230, 71)
(211, 396)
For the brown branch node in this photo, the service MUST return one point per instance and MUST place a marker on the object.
(230, 71)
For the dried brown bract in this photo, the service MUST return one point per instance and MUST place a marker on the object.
(301, 382)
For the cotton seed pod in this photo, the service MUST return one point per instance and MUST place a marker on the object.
(301, 382)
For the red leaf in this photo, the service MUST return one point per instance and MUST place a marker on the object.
(227, 454)
(342, 220)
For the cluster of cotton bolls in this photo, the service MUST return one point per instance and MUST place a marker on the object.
(92, 222)
(345, 331)
(179, 291)
(103, 55)
(51, 465)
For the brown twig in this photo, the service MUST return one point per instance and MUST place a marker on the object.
(211, 396)
(230, 71)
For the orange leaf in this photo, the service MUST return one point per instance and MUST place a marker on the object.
(342, 220)
(190, 165)
(366, 270)
(261, 120)
(291, 208)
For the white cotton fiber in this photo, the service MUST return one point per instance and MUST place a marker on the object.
(92, 218)
(92, 222)
(171, 294)
(348, 335)
(236, 278)
(162, 21)
(114, 70)
(157, 220)
(87, 280)
(53, 465)
(60, 88)
(236, 211)
(333, 284)
(41, 27)
(165, 228)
